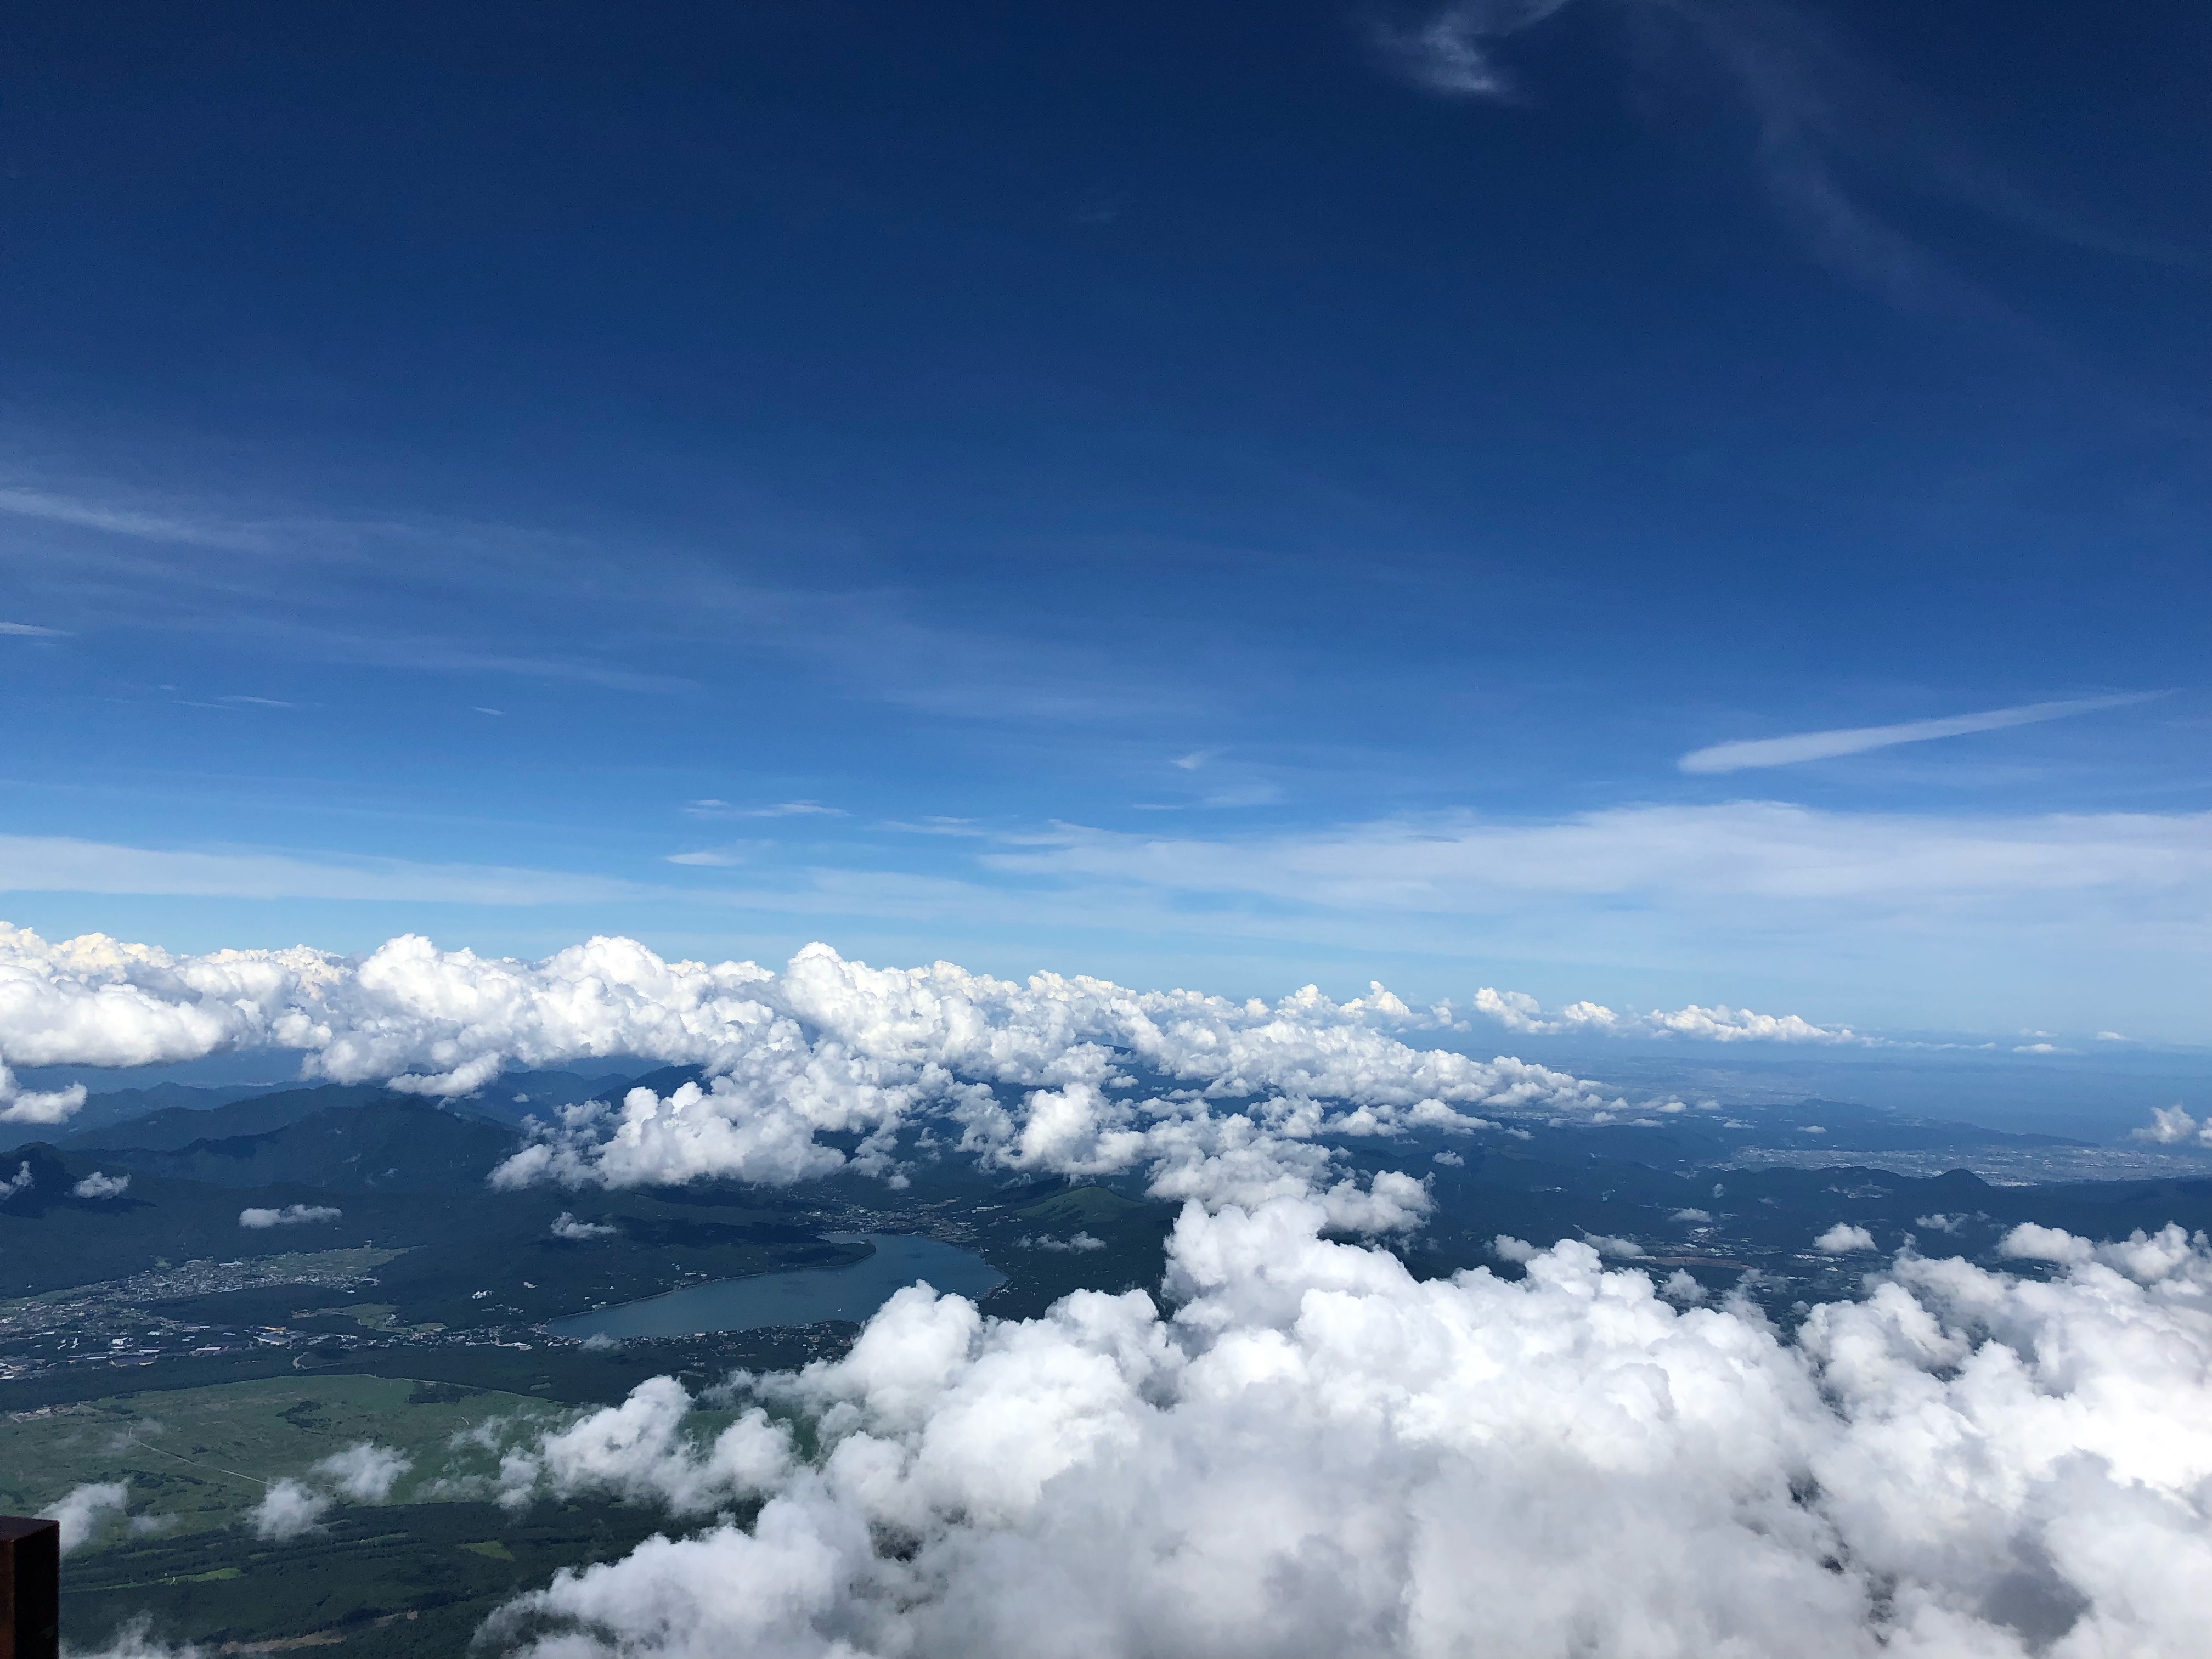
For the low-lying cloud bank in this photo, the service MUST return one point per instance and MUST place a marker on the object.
(842, 1047)
(1517, 1011)
(850, 1046)
(1313, 1453)
(1221, 1101)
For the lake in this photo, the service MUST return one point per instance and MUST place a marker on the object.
(803, 1296)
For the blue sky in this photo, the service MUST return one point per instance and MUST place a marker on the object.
(1176, 492)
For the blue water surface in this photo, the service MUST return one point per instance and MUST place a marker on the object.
(803, 1295)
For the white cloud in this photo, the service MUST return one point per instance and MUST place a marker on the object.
(22, 1181)
(826, 1047)
(834, 1047)
(1842, 1238)
(640, 1451)
(2170, 1126)
(85, 1510)
(32, 630)
(97, 1185)
(287, 1509)
(2140, 1257)
(2111, 1036)
(292, 1215)
(365, 1472)
(1825, 745)
(565, 1225)
(1314, 1452)
(1078, 1242)
(1519, 1011)
(20, 1105)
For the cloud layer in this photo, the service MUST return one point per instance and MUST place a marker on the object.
(1075, 1075)
(1312, 1452)
(1517, 1011)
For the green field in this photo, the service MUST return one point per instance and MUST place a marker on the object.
(196, 1459)
(402, 1580)
(412, 1576)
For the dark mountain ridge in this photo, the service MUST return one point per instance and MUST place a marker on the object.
(172, 1128)
(364, 1141)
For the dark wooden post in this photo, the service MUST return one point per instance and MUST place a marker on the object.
(30, 1588)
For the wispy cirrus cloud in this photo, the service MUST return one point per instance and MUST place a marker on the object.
(1826, 120)
(86, 514)
(32, 630)
(1753, 850)
(60, 864)
(783, 809)
(1858, 739)
(716, 857)
(1454, 51)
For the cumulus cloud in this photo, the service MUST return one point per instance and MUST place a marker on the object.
(640, 1451)
(821, 1066)
(287, 1509)
(2139, 1256)
(19, 1105)
(1842, 1238)
(97, 1185)
(1081, 1241)
(1307, 1449)
(292, 1215)
(84, 1510)
(22, 1181)
(2170, 1126)
(763, 1129)
(365, 1472)
(565, 1225)
(97, 1001)
(1517, 1011)
(824, 1047)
